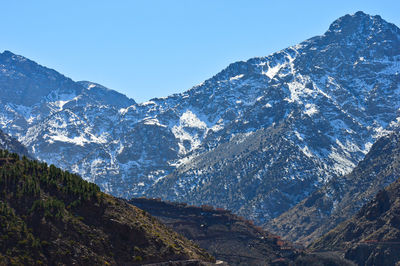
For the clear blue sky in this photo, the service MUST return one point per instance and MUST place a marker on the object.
(150, 48)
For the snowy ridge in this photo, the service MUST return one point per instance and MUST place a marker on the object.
(256, 138)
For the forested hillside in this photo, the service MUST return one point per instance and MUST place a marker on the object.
(48, 216)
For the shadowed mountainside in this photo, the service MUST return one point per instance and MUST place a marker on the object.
(372, 236)
(342, 197)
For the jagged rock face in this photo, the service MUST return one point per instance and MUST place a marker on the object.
(371, 237)
(256, 138)
(341, 197)
(317, 108)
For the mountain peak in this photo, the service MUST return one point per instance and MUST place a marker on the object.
(359, 23)
(106, 95)
(8, 55)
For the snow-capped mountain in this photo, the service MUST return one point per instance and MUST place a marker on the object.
(256, 138)
(311, 113)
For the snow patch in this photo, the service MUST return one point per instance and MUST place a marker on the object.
(340, 156)
(60, 104)
(217, 127)
(91, 86)
(147, 103)
(298, 135)
(272, 71)
(380, 132)
(189, 119)
(153, 122)
(367, 147)
(298, 89)
(311, 109)
(123, 111)
(237, 77)
(80, 141)
(341, 165)
(306, 151)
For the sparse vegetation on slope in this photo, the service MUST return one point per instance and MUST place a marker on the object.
(49, 216)
(226, 236)
(232, 238)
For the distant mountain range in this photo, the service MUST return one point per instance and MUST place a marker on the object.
(257, 138)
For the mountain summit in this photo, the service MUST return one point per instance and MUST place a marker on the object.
(256, 138)
(362, 24)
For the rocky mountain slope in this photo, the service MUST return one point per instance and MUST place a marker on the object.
(223, 234)
(341, 197)
(318, 107)
(52, 217)
(256, 138)
(372, 236)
